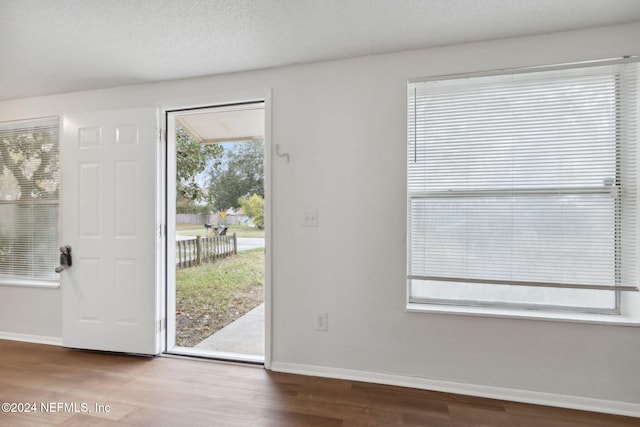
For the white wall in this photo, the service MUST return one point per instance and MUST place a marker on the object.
(343, 124)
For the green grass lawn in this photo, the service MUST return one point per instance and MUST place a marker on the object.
(211, 296)
(199, 230)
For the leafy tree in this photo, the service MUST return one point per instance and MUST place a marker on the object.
(192, 159)
(29, 164)
(185, 206)
(253, 207)
(241, 175)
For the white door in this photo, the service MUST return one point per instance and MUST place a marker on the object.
(108, 209)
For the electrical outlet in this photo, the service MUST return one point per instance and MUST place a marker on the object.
(322, 322)
(310, 219)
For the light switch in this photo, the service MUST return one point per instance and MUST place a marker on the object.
(310, 219)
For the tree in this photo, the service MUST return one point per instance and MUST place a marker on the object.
(192, 159)
(241, 175)
(253, 207)
(29, 164)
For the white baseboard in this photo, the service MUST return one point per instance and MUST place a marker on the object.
(37, 339)
(501, 393)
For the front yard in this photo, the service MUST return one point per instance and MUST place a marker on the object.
(211, 296)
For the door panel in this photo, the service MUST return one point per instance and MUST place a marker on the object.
(109, 219)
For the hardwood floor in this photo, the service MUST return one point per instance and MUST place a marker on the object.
(66, 385)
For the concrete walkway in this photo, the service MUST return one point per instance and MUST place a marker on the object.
(243, 336)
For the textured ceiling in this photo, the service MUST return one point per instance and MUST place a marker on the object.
(60, 46)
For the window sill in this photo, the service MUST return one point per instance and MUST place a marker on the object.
(568, 317)
(30, 283)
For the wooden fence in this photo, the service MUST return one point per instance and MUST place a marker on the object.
(196, 251)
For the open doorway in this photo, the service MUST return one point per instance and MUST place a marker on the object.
(215, 232)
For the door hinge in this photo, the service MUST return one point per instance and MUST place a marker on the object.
(161, 324)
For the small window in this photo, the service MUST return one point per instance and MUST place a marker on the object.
(29, 185)
(522, 189)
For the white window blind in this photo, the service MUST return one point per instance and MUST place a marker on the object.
(29, 178)
(522, 188)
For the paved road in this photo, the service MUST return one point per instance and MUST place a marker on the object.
(244, 243)
(247, 243)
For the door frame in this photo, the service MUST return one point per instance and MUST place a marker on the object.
(218, 100)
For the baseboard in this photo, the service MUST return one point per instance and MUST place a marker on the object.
(501, 393)
(37, 339)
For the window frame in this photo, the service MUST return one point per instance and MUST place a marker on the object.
(625, 312)
(19, 125)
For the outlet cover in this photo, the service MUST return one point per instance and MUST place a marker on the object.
(322, 321)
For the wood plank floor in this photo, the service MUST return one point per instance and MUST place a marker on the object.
(166, 391)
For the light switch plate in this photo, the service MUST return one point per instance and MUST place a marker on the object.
(310, 219)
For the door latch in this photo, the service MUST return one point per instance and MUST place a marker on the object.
(65, 258)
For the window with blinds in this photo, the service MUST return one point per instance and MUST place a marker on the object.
(522, 188)
(29, 184)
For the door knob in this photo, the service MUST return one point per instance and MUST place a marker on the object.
(65, 258)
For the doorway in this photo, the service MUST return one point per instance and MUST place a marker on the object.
(216, 234)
